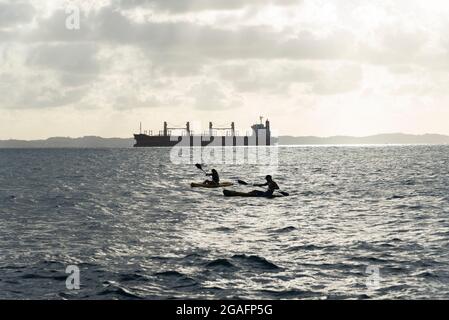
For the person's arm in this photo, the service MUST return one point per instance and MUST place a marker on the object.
(261, 185)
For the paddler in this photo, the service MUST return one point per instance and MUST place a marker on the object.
(271, 184)
(215, 177)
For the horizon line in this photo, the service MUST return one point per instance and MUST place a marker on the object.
(284, 135)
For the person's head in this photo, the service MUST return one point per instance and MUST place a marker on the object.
(214, 171)
(269, 178)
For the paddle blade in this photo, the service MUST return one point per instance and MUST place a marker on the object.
(284, 193)
(242, 182)
(199, 166)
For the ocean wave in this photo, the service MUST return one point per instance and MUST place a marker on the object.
(289, 294)
(175, 279)
(116, 291)
(396, 197)
(174, 274)
(311, 247)
(223, 229)
(427, 274)
(44, 276)
(256, 262)
(221, 264)
(285, 230)
(132, 277)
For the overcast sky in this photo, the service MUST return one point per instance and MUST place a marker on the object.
(313, 67)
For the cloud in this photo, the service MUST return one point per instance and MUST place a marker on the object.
(15, 13)
(34, 92)
(178, 6)
(401, 41)
(129, 102)
(187, 40)
(339, 80)
(251, 59)
(76, 58)
(257, 77)
(49, 97)
(213, 96)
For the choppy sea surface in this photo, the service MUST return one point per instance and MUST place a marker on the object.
(362, 222)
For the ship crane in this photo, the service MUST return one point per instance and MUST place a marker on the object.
(167, 129)
(211, 129)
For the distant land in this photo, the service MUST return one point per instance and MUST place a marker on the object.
(61, 142)
(98, 142)
(388, 138)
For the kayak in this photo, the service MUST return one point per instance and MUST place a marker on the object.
(208, 185)
(230, 193)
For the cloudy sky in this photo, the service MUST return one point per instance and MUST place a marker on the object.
(314, 67)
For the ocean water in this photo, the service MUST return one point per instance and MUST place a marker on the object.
(362, 222)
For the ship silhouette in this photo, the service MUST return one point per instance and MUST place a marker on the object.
(221, 137)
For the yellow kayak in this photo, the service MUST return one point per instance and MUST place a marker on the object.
(210, 185)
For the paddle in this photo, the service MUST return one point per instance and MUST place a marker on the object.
(200, 167)
(246, 184)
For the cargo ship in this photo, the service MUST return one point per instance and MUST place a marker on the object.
(260, 136)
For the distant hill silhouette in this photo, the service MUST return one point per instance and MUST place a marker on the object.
(60, 142)
(389, 138)
(98, 142)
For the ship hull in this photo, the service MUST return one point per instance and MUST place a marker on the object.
(143, 140)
